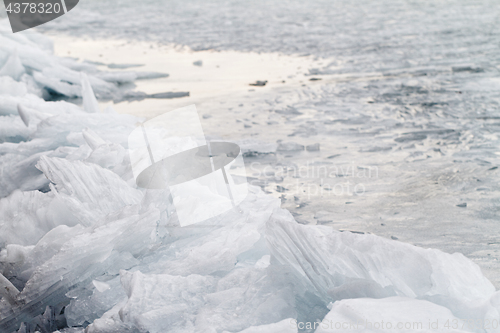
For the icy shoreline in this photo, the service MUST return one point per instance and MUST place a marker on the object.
(86, 248)
(409, 89)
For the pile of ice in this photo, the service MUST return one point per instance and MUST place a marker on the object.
(28, 58)
(83, 249)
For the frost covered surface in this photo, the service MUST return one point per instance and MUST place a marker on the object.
(83, 247)
(410, 88)
(93, 252)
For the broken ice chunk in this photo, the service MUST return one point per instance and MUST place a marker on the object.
(90, 104)
(290, 146)
(170, 95)
(91, 253)
(8, 86)
(117, 77)
(30, 115)
(411, 137)
(122, 66)
(150, 75)
(88, 190)
(92, 139)
(252, 147)
(25, 217)
(313, 147)
(258, 83)
(100, 286)
(467, 68)
(13, 67)
(7, 290)
(395, 314)
(170, 299)
(397, 268)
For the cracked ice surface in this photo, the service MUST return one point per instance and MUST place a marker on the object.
(87, 249)
(409, 88)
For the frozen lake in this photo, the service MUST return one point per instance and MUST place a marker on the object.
(408, 90)
(369, 127)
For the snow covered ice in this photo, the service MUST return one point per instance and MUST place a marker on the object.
(83, 249)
